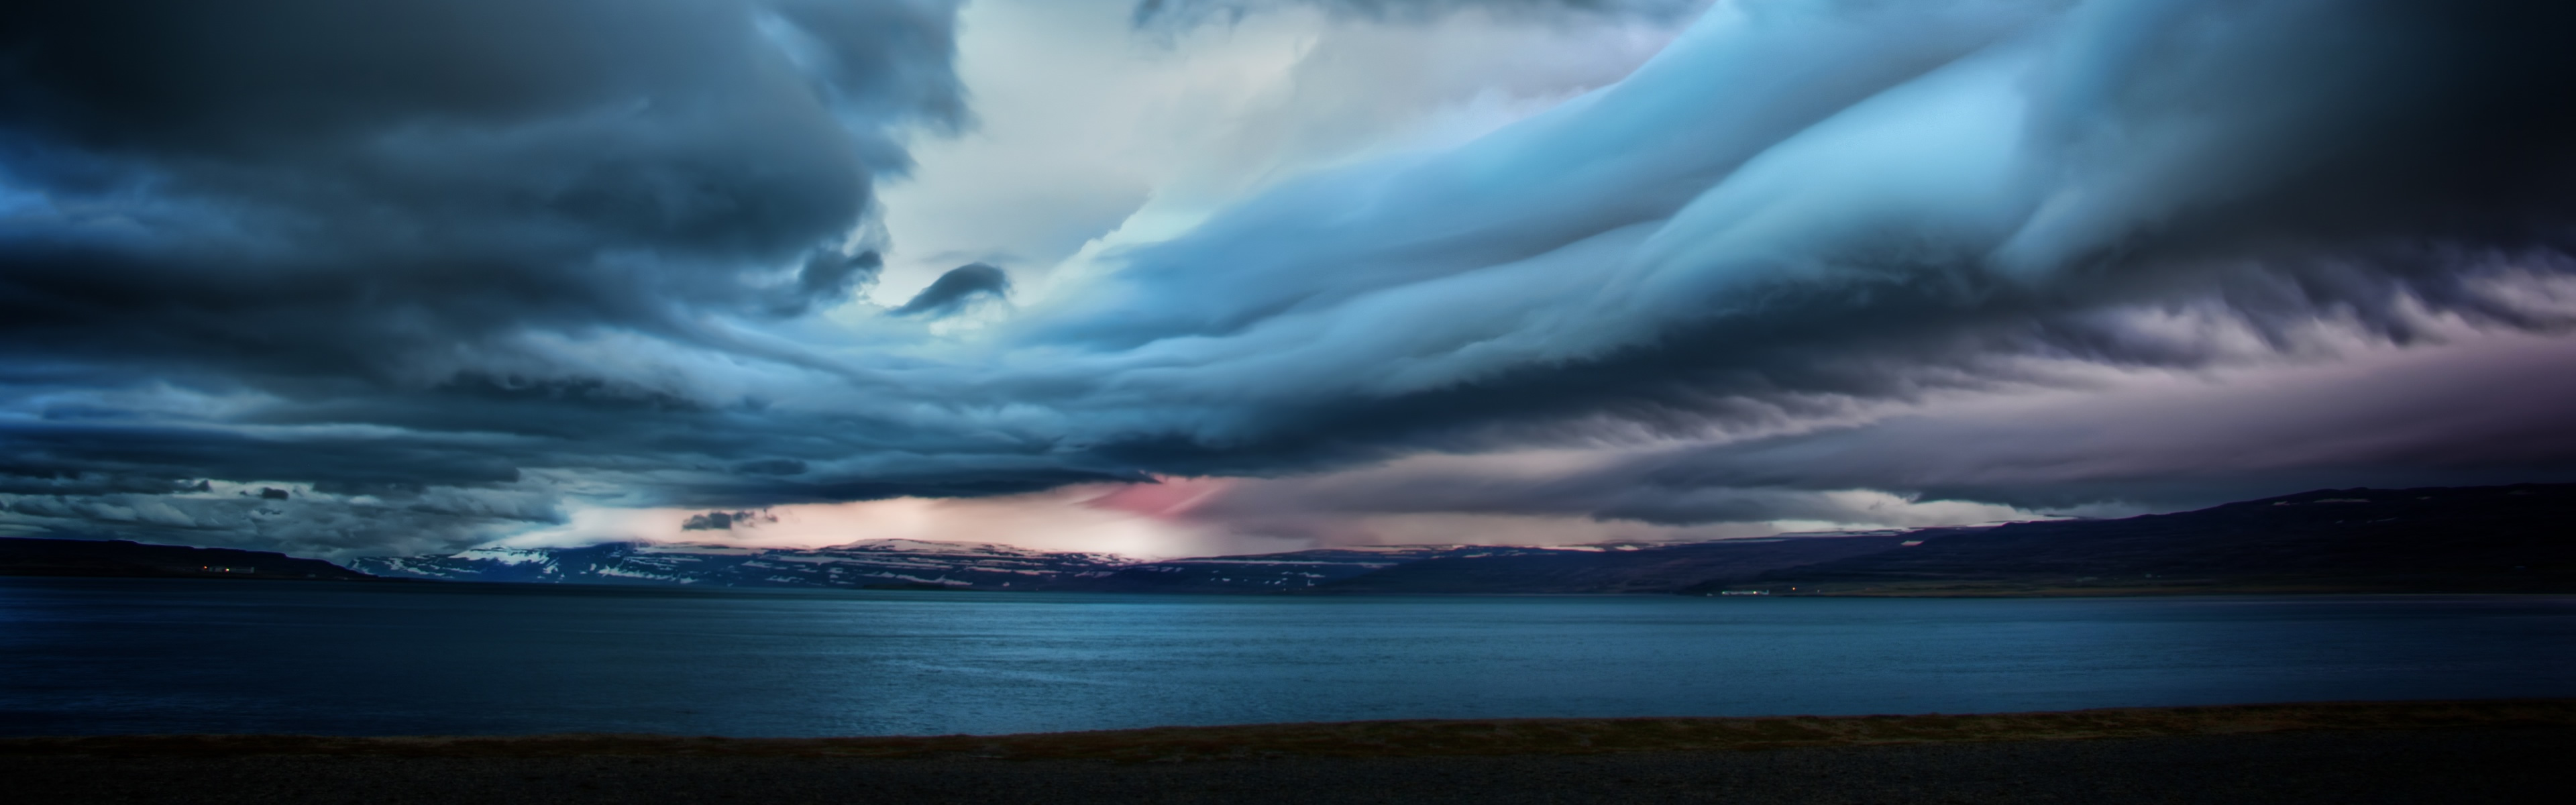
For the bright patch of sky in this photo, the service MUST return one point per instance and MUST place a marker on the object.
(1090, 134)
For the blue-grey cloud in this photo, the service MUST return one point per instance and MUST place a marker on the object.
(954, 290)
(2491, 412)
(720, 521)
(1186, 12)
(359, 217)
(312, 246)
(1805, 202)
(312, 189)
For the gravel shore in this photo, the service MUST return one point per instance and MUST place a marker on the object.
(2473, 765)
(2350, 753)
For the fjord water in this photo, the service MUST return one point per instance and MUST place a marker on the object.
(82, 656)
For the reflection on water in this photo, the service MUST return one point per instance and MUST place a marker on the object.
(135, 656)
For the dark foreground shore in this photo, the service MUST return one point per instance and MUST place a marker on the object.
(2504, 751)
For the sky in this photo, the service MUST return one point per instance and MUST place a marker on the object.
(1190, 277)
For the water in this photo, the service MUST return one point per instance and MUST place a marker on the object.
(138, 656)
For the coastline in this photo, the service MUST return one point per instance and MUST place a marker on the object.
(1402, 738)
(1987, 589)
(2394, 752)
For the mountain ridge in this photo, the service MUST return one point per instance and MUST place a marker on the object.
(2456, 539)
(2514, 538)
(116, 558)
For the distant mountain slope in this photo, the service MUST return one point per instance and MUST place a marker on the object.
(877, 563)
(1624, 569)
(120, 558)
(2475, 539)
(2500, 539)
(911, 564)
(1283, 572)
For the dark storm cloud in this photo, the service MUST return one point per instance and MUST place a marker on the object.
(830, 277)
(1801, 205)
(435, 268)
(2491, 412)
(772, 466)
(371, 222)
(956, 289)
(2471, 416)
(313, 188)
(720, 521)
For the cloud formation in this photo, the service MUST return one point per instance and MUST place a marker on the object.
(313, 190)
(1800, 203)
(1186, 12)
(2476, 410)
(956, 289)
(314, 242)
(315, 248)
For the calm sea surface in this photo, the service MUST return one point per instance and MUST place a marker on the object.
(131, 656)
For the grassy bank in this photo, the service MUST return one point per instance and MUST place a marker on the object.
(1391, 739)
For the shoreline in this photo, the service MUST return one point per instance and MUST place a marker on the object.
(2042, 591)
(2508, 751)
(1388, 739)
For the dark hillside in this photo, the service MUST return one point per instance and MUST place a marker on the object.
(1643, 570)
(2471, 539)
(1299, 571)
(120, 558)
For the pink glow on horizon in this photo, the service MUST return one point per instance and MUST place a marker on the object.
(1169, 498)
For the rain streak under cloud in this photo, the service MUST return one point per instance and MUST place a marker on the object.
(1195, 277)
